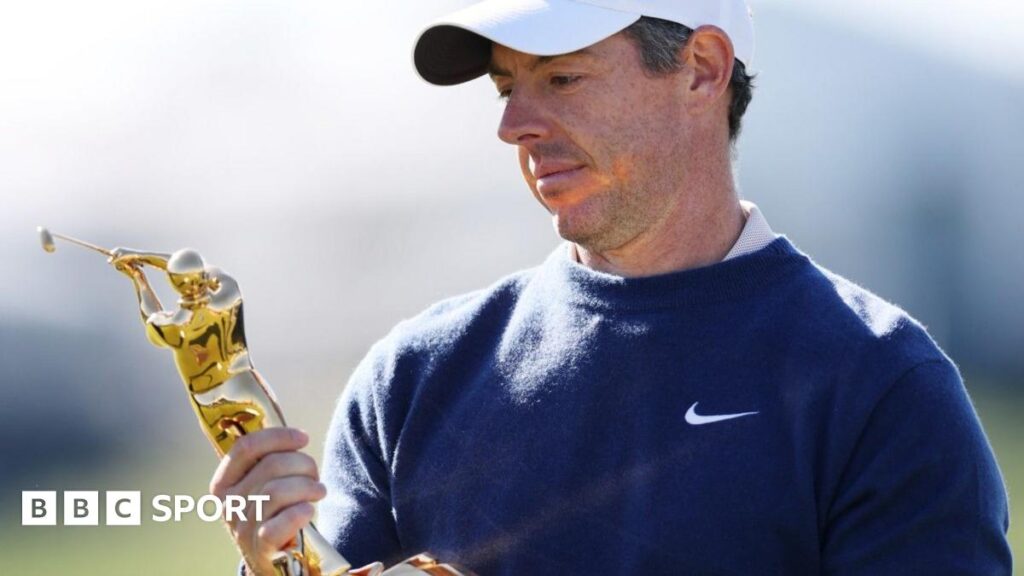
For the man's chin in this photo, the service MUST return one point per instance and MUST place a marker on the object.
(583, 220)
(576, 230)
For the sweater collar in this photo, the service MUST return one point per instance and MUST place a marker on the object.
(741, 276)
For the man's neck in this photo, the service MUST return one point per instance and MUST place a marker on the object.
(697, 238)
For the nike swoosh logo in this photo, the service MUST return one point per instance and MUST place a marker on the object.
(696, 419)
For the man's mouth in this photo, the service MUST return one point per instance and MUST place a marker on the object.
(555, 176)
(548, 168)
(559, 177)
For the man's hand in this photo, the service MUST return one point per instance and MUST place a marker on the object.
(267, 462)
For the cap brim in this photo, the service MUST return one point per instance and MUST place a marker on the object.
(457, 48)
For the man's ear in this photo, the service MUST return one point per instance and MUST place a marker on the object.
(709, 60)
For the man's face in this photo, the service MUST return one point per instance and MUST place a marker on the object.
(599, 140)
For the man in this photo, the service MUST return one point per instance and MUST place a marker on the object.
(677, 389)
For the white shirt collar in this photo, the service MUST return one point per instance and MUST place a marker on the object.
(756, 233)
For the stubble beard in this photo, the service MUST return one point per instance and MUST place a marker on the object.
(606, 221)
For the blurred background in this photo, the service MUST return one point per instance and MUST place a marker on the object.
(292, 143)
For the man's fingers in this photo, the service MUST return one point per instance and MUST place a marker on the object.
(281, 464)
(275, 533)
(273, 466)
(249, 450)
(268, 463)
(285, 492)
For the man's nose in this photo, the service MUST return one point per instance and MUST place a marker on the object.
(523, 120)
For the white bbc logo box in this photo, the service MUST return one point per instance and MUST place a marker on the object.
(81, 508)
(124, 508)
(38, 508)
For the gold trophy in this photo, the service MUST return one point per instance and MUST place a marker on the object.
(206, 335)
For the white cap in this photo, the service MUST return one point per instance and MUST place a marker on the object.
(457, 47)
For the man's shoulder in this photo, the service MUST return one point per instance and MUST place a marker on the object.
(454, 317)
(840, 319)
(457, 321)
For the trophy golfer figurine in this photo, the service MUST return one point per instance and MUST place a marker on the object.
(206, 335)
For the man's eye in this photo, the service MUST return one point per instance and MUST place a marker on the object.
(564, 80)
(504, 95)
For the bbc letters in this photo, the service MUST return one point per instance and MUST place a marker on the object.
(124, 508)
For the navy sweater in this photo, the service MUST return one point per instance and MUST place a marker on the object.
(539, 427)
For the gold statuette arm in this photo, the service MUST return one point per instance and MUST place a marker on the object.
(225, 289)
(148, 303)
(154, 259)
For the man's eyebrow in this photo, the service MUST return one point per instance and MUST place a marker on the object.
(495, 70)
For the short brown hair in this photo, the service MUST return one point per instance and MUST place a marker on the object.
(660, 42)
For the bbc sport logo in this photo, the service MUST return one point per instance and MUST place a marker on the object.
(124, 508)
